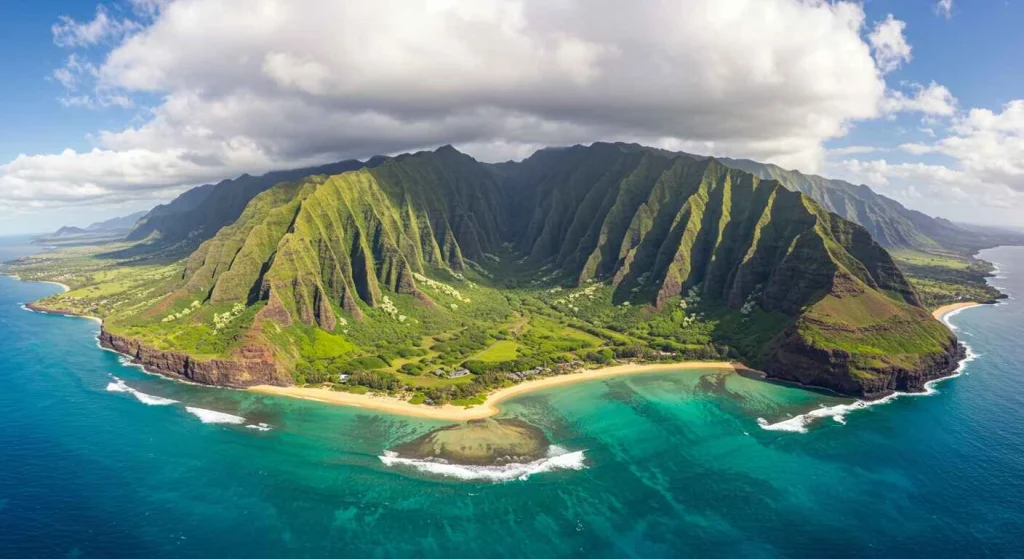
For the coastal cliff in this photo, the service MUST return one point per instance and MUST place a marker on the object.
(254, 365)
(800, 362)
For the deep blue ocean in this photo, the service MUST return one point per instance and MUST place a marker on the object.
(99, 459)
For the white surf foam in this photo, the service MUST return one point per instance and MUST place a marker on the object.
(800, 423)
(557, 459)
(259, 426)
(119, 385)
(126, 361)
(951, 314)
(211, 416)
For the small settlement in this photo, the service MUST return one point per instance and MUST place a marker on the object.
(457, 373)
(560, 369)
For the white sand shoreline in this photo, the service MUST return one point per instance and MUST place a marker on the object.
(57, 283)
(942, 312)
(51, 282)
(490, 406)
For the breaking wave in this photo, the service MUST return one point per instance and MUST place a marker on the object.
(204, 415)
(951, 314)
(119, 385)
(126, 361)
(800, 423)
(557, 459)
(211, 416)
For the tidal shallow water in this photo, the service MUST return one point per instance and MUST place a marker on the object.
(99, 459)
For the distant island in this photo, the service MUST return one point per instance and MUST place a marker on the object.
(437, 279)
(110, 230)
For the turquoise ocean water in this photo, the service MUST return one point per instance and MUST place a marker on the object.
(98, 459)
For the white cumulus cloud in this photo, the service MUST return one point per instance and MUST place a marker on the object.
(68, 32)
(250, 86)
(933, 100)
(890, 46)
(979, 173)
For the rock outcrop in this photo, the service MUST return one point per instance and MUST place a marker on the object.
(832, 369)
(252, 366)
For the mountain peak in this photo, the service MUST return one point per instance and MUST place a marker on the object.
(448, 149)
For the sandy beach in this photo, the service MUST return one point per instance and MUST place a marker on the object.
(19, 278)
(95, 319)
(942, 311)
(57, 283)
(490, 405)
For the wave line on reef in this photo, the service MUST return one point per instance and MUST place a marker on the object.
(119, 385)
(211, 416)
(557, 459)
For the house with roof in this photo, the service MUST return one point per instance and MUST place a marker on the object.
(458, 373)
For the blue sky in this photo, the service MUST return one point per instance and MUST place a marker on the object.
(973, 53)
(34, 120)
(917, 101)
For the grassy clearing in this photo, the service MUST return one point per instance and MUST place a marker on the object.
(918, 258)
(429, 380)
(941, 279)
(501, 350)
(861, 310)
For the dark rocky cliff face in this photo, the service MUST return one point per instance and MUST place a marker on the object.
(797, 361)
(252, 367)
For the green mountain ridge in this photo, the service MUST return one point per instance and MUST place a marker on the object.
(660, 254)
(659, 226)
(197, 214)
(325, 242)
(888, 221)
